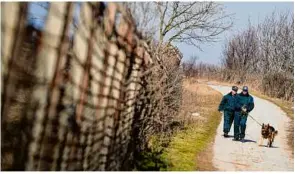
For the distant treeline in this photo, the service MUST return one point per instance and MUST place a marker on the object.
(261, 56)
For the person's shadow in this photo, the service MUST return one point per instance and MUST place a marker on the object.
(229, 136)
(245, 140)
(249, 141)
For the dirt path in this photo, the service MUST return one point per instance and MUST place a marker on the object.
(236, 156)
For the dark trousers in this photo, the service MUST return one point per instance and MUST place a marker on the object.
(228, 120)
(240, 125)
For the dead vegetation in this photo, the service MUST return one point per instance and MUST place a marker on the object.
(260, 56)
(189, 148)
(263, 56)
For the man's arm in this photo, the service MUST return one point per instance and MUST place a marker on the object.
(251, 104)
(238, 105)
(222, 103)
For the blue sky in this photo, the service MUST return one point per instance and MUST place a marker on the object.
(256, 11)
(243, 11)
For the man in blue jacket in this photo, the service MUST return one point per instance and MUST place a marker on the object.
(227, 105)
(245, 104)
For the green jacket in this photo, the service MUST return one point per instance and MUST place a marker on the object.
(228, 102)
(246, 100)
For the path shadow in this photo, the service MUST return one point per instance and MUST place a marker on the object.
(269, 147)
(229, 136)
(249, 141)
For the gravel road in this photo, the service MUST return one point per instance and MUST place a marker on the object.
(248, 156)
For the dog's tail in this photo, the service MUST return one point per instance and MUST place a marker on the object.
(276, 132)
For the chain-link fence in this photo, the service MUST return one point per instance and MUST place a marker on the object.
(77, 95)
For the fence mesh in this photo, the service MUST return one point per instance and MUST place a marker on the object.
(76, 95)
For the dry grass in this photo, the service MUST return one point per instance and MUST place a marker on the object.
(190, 149)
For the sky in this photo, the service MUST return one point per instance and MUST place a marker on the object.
(243, 11)
(211, 53)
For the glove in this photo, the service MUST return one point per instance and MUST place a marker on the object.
(244, 110)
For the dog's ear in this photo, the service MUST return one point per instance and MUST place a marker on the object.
(262, 125)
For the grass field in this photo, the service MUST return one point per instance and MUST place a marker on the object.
(190, 149)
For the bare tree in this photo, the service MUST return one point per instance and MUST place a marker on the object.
(168, 23)
(143, 13)
(189, 66)
(191, 22)
(263, 54)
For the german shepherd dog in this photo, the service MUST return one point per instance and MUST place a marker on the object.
(268, 132)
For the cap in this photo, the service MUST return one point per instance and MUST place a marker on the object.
(235, 88)
(245, 88)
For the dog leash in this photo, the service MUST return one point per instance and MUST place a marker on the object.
(255, 120)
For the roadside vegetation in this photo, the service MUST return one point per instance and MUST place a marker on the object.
(200, 106)
(188, 147)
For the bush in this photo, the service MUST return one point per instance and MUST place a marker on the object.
(278, 85)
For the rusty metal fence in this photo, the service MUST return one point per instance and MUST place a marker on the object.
(77, 97)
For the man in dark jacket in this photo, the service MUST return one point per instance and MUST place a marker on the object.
(245, 104)
(227, 105)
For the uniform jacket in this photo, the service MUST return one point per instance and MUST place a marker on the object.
(246, 100)
(228, 102)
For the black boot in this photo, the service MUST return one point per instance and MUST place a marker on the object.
(225, 135)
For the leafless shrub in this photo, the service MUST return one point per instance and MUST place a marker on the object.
(189, 66)
(266, 52)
